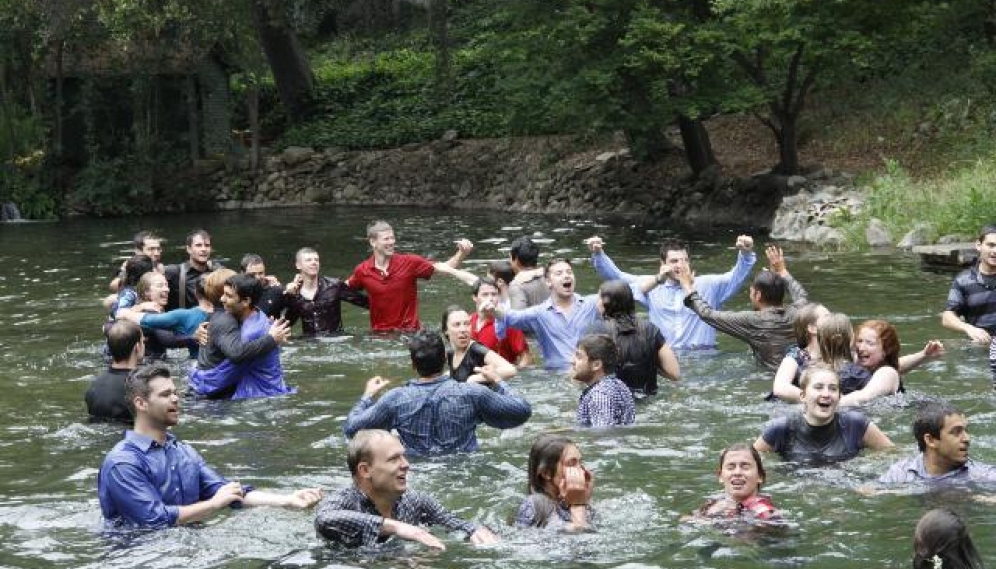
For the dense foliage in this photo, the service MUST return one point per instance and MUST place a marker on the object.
(378, 73)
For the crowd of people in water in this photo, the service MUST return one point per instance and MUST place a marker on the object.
(232, 325)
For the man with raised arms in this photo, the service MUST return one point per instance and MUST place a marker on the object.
(153, 480)
(682, 328)
(557, 323)
(768, 329)
(317, 300)
(941, 433)
(379, 504)
(391, 279)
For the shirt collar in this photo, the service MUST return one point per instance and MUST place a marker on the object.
(920, 468)
(550, 305)
(144, 443)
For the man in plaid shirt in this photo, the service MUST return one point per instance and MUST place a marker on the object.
(379, 504)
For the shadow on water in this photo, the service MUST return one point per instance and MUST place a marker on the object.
(647, 477)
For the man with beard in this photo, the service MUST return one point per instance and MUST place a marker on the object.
(606, 401)
(152, 480)
(941, 433)
(557, 323)
(379, 504)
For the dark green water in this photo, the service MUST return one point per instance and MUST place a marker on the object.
(53, 275)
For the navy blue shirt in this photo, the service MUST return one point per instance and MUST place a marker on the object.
(143, 483)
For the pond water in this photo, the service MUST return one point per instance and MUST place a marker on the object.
(52, 276)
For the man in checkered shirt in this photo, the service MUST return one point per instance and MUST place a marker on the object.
(606, 401)
(379, 504)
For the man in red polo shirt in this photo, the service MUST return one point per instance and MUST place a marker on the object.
(391, 279)
(514, 347)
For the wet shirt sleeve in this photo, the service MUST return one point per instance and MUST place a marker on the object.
(501, 408)
(135, 498)
(775, 434)
(338, 520)
(367, 414)
(433, 513)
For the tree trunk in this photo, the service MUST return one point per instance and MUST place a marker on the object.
(439, 32)
(193, 123)
(254, 126)
(291, 70)
(59, 102)
(698, 146)
(788, 149)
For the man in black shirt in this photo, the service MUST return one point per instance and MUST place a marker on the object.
(183, 278)
(105, 399)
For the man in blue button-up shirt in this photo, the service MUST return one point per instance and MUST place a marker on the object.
(682, 328)
(435, 414)
(557, 323)
(153, 480)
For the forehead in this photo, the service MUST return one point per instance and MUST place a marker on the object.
(158, 384)
(868, 333)
(821, 377)
(989, 239)
(571, 452)
(738, 456)
(952, 421)
(458, 315)
(384, 447)
(256, 268)
(487, 289)
(560, 267)
(384, 234)
(676, 255)
(158, 278)
(151, 242)
(200, 240)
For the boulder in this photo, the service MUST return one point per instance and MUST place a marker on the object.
(877, 235)
(954, 238)
(919, 235)
(294, 155)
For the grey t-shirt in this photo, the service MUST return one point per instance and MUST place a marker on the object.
(798, 441)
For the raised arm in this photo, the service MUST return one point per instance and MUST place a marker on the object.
(466, 277)
(603, 265)
(933, 349)
(369, 415)
(464, 247)
(724, 286)
(776, 260)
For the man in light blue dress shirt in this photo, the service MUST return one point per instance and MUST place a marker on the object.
(681, 327)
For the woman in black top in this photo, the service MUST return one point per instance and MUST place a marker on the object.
(465, 356)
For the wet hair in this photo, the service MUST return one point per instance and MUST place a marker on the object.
(600, 347)
(814, 369)
(941, 535)
(485, 280)
(145, 285)
(302, 252)
(806, 316)
(122, 337)
(930, 420)
(377, 227)
(617, 299)
(214, 284)
(138, 241)
(444, 324)
(502, 270)
(246, 287)
(525, 251)
(771, 287)
(835, 336)
(202, 233)
(135, 267)
(986, 230)
(555, 261)
(672, 244)
(753, 451)
(544, 456)
(250, 259)
(137, 383)
(361, 448)
(887, 337)
(427, 352)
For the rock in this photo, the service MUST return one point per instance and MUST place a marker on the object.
(954, 238)
(317, 194)
(876, 234)
(294, 155)
(796, 182)
(919, 235)
(449, 136)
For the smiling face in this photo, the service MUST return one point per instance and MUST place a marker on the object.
(951, 447)
(158, 291)
(458, 329)
(740, 475)
(383, 243)
(820, 396)
(987, 253)
(869, 349)
(232, 303)
(387, 471)
(308, 264)
(676, 260)
(560, 279)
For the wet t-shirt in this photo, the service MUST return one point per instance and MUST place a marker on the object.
(797, 441)
(473, 358)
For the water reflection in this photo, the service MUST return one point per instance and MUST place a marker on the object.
(649, 476)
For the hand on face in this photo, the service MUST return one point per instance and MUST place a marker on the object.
(576, 486)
